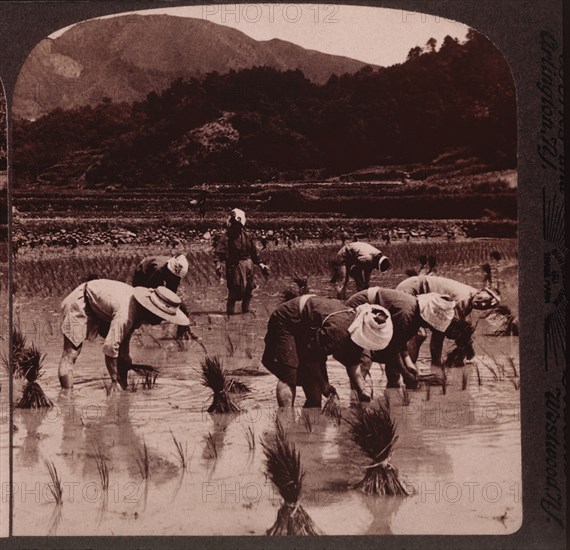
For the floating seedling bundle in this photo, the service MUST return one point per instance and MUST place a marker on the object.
(374, 431)
(215, 377)
(283, 467)
(28, 364)
(332, 407)
(505, 321)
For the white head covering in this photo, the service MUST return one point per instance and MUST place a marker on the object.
(486, 299)
(436, 310)
(178, 266)
(238, 215)
(372, 328)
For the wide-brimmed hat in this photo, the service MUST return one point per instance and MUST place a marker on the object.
(162, 302)
(436, 310)
(237, 215)
(372, 329)
(486, 299)
(178, 266)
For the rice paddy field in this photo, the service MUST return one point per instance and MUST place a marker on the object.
(152, 461)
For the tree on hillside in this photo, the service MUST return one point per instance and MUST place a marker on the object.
(261, 122)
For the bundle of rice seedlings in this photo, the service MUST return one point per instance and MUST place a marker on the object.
(214, 377)
(374, 431)
(332, 408)
(507, 322)
(283, 467)
(142, 369)
(19, 346)
(149, 380)
(30, 364)
(463, 348)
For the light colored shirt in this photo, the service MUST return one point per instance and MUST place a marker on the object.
(457, 291)
(358, 253)
(114, 302)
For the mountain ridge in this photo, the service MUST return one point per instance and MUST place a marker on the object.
(126, 57)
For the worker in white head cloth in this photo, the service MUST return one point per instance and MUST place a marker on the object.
(168, 271)
(408, 313)
(304, 331)
(236, 248)
(467, 298)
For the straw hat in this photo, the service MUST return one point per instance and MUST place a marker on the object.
(162, 302)
(436, 310)
(372, 329)
(178, 266)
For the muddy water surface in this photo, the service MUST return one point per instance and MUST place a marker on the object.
(459, 452)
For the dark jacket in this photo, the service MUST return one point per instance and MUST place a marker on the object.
(152, 273)
(404, 310)
(235, 245)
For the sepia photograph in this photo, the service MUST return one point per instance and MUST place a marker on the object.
(4, 332)
(265, 276)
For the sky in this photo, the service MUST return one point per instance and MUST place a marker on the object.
(374, 35)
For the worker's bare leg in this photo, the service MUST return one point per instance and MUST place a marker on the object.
(343, 278)
(436, 347)
(367, 272)
(359, 278)
(67, 362)
(285, 394)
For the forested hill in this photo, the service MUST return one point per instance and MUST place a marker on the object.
(256, 124)
(127, 57)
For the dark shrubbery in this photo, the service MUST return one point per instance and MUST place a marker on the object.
(261, 123)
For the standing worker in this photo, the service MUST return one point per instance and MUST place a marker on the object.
(155, 271)
(357, 260)
(237, 249)
(202, 198)
(113, 310)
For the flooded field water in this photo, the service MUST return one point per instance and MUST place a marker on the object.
(459, 452)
